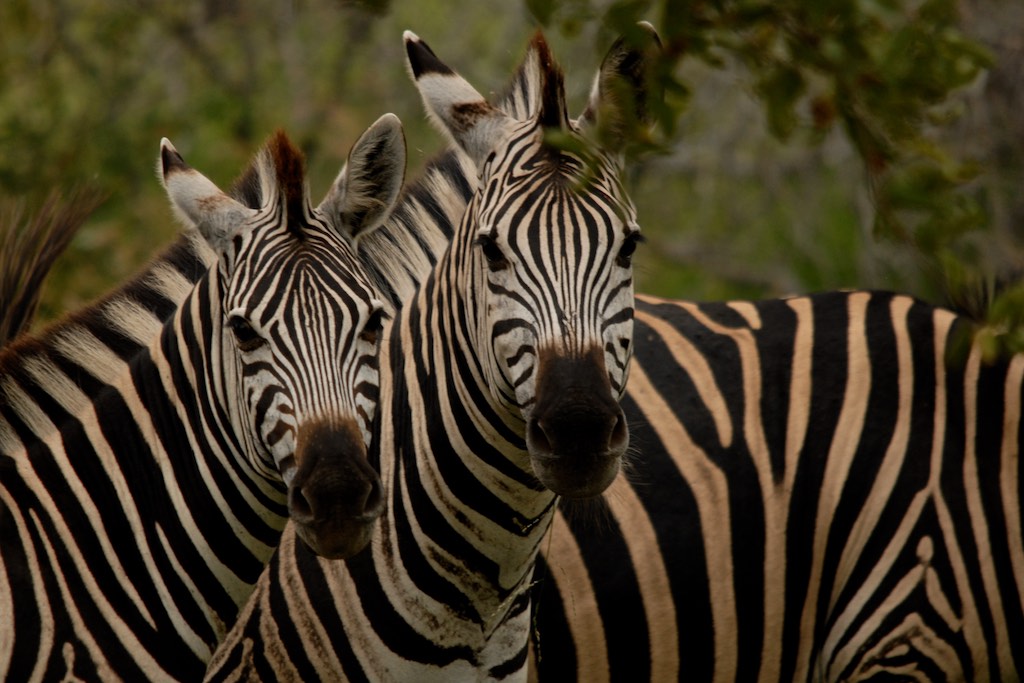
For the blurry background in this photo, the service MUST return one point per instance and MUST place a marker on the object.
(803, 146)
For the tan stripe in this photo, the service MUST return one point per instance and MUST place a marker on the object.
(840, 455)
(775, 499)
(748, 312)
(711, 492)
(972, 631)
(1009, 478)
(44, 613)
(799, 387)
(976, 511)
(46, 432)
(902, 535)
(895, 454)
(851, 612)
(6, 599)
(652, 576)
(912, 632)
(126, 636)
(304, 615)
(692, 361)
(569, 572)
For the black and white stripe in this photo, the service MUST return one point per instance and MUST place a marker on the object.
(153, 446)
(824, 488)
(828, 488)
(517, 340)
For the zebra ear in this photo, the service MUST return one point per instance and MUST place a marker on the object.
(198, 202)
(620, 97)
(368, 186)
(453, 103)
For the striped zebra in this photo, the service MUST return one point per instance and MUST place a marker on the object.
(828, 488)
(153, 445)
(499, 391)
(823, 488)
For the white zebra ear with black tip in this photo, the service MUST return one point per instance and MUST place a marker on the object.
(453, 104)
(622, 91)
(198, 202)
(367, 188)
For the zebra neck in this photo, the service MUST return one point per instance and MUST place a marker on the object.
(133, 487)
(399, 255)
(190, 388)
(458, 476)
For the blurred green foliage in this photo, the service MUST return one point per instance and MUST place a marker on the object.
(890, 75)
(804, 145)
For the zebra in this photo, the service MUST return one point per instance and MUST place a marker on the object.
(147, 468)
(765, 528)
(828, 489)
(533, 297)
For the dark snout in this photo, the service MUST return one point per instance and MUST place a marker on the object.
(335, 497)
(577, 433)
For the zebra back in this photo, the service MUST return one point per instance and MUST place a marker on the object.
(826, 488)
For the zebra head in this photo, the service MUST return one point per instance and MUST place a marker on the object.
(550, 235)
(299, 323)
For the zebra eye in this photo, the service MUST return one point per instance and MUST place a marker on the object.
(374, 326)
(492, 252)
(245, 336)
(625, 256)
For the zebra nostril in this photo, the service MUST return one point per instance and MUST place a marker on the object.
(374, 502)
(299, 507)
(537, 438)
(620, 433)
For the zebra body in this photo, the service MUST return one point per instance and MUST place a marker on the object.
(517, 342)
(802, 504)
(827, 488)
(147, 468)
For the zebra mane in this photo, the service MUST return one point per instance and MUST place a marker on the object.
(537, 92)
(113, 328)
(400, 254)
(553, 112)
(278, 165)
(519, 98)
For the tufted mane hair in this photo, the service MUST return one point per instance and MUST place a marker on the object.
(552, 113)
(281, 164)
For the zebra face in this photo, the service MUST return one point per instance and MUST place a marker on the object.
(550, 261)
(305, 324)
(553, 263)
(299, 325)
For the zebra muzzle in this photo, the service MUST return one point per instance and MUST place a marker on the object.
(336, 496)
(576, 433)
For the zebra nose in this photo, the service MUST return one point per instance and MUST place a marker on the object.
(537, 437)
(577, 456)
(336, 496)
(319, 500)
(577, 433)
